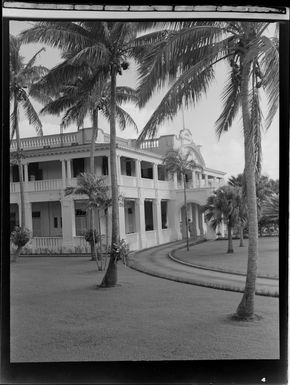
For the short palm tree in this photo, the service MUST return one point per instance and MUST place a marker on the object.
(178, 162)
(270, 208)
(240, 184)
(108, 46)
(97, 192)
(187, 57)
(223, 207)
(22, 77)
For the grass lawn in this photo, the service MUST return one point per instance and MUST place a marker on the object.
(59, 314)
(214, 254)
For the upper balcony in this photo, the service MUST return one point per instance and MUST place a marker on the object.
(82, 136)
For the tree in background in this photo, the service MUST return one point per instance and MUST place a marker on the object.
(178, 162)
(22, 77)
(223, 206)
(239, 183)
(97, 191)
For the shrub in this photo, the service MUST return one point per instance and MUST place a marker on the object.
(120, 250)
(88, 235)
(20, 236)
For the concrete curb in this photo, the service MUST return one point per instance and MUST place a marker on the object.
(133, 264)
(219, 270)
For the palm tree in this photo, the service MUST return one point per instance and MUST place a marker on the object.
(240, 184)
(107, 46)
(22, 77)
(271, 208)
(187, 57)
(178, 162)
(97, 192)
(223, 206)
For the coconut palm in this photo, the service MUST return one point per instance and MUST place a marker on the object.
(188, 57)
(105, 45)
(88, 95)
(178, 162)
(223, 207)
(22, 77)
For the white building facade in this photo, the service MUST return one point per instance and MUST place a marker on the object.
(153, 211)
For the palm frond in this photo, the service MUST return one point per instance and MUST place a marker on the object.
(188, 89)
(231, 104)
(62, 35)
(30, 113)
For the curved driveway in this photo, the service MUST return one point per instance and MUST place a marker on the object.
(156, 261)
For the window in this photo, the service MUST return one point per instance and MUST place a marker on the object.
(15, 173)
(164, 214)
(162, 173)
(55, 222)
(146, 170)
(12, 221)
(105, 166)
(34, 172)
(35, 214)
(130, 221)
(148, 208)
(78, 166)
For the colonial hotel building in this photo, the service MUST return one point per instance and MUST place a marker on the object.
(153, 212)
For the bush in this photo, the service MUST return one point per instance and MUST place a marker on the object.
(19, 237)
(120, 250)
(88, 235)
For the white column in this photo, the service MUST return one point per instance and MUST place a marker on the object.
(69, 174)
(122, 222)
(197, 220)
(138, 170)
(155, 175)
(174, 220)
(206, 180)
(68, 221)
(109, 168)
(25, 172)
(157, 219)
(141, 222)
(63, 173)
(28, 215)
(200, 221)
(175, 180)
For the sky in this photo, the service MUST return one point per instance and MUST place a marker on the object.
(224, 154)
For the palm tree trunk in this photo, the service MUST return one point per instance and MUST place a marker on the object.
(185, 205)
(93, 243)
(92, 168)
(230, 240)
(110, 278)
(16, 254)
(245, 309)
(94, 137)
(22, 208)
(242, 236)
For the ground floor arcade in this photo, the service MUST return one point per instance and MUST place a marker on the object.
(59, 225)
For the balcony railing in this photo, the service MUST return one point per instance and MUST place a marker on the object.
(48, 140)
(128, 181)
(45, 185)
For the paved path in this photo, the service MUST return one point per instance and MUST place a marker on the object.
(155, 261)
